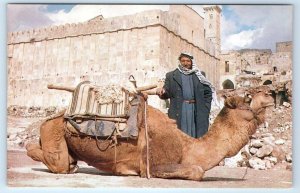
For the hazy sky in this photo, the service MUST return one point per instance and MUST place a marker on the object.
(242, 26)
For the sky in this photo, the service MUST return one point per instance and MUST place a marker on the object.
(242, 26)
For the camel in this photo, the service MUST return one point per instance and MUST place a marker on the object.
(171, 153)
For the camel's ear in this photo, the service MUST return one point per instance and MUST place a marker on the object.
(224, 96)
(230, 102)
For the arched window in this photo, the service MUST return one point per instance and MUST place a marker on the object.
(267, 82)
(228, 84)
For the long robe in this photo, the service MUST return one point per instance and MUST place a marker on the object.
(202, 94)
(188, 109)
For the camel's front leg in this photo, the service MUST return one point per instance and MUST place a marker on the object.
(182, 171)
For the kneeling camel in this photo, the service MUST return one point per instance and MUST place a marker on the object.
(172, 153)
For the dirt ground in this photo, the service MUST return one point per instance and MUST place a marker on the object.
(29, 173)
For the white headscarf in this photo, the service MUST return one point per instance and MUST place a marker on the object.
(200, 76)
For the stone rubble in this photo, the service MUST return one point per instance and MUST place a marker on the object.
(264, 151)
(257, 163)
(20, 135)
(286, 104)
(28, 112)
(279, 142)
(271, 146)
(256, 143)
(288, 158)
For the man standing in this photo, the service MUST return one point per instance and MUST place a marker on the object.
(190, 95)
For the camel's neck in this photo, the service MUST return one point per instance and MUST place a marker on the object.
(215, 150)
(218, 144)
(260, 115)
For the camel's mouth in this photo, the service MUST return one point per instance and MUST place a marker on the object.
(269, 105)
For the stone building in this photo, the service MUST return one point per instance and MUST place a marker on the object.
(284, 46)
(108, 50)
(255, 67)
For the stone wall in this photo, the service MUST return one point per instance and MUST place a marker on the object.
(284, 46)
(255, 60)
(232, 59)
(282, 61)
(103, 51)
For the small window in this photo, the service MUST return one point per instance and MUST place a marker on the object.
(258, 60)
(275, 69)
(226, 66)
(211, 16)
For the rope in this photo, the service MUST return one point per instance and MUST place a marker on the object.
(147, 141)
(115, 139)
(115, 144)
(245, 173)
(97, 138)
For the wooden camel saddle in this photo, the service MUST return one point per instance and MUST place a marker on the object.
(103, 111)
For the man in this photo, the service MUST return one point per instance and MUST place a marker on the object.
(190, 95)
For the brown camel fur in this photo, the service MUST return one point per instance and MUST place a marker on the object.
(53, 150)
(172, 153)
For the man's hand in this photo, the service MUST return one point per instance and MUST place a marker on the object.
(160, 91)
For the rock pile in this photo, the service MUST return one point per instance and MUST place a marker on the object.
(264, 152)
(24, 124)
(23, 132)
(270, 146)
(28, 112)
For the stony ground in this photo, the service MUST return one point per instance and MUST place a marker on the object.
(271, 146)
(265, 162)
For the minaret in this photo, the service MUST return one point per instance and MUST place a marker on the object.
(212, 26)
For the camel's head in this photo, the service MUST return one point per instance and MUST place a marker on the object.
(241, 105)
(234, 102)
(261, 99)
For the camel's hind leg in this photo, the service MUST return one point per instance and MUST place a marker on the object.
(53, 151)
(55, 162)
(35, 152)
(189, 172)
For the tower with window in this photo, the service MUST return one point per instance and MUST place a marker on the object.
(212, 26)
